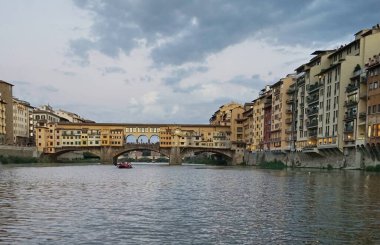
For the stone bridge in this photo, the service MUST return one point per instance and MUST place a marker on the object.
(110, 154)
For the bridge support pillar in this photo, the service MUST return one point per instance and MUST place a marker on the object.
(106, 155)
(175, 156)
(237, 158)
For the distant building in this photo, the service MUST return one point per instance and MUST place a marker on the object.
(281, 115)
(22, 111)
(7, 113)
(70, 116)
(2, 120)
(373, 84)
(231, 115)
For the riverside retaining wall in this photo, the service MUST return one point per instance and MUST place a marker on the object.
(18, 151)
(353, 158)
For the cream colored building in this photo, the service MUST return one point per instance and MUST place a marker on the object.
(21, 122)
(248, 124)
(69, 116)
(282, 112)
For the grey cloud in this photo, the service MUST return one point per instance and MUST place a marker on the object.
(118, 25)
(254, 81)
(181, 73)
(69, 73)
(49, 88)
(113, 69)
(79, 49)
(21, 83)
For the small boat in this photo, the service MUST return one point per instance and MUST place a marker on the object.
(124, 165)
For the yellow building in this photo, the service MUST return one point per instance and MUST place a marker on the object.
(2, 121)
(205, 136)
(51, 137)
(231, 115)
(248, 124)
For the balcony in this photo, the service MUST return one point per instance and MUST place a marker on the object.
(290, 101)
(288, 120)
(288, 130)
(310, 148)
(291, 90)
(350, 116)
(357, 73)
(350, 103)
(267, 103)
(362, 115)
(301, 80)
(312, 124)
(351, 88)
(313, 87)
(312, 111)
(312, 99)
(348, 129)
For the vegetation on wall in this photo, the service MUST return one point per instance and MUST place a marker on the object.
(373, 168)
(275, 164)
(15, 159)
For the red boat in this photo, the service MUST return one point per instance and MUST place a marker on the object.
(124, 165)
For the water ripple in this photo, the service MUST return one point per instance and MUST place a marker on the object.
(186, 205)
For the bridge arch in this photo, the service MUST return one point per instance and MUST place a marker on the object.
(130, 139)
(154, 139)
(54, 156)
(143, 139)
(227, 153)
(140, 147)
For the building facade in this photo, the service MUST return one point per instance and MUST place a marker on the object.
(21, 122)
(6, 97)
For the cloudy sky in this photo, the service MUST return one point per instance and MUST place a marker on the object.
(164, 61)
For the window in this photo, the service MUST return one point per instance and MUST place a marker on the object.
(374, 109)
(375, 85)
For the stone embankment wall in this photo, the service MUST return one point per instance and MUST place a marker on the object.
(18, 151)
(354, 158)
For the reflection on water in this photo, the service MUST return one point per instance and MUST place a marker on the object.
(187, 204)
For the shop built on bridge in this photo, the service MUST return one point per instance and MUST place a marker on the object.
(110, 140)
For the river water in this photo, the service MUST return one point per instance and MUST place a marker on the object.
(150, 204)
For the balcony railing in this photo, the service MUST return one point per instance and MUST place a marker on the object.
(288, 120)
(350, 103)
(312, 111)
(350, 116)
(291, 90)
(313, 87)
(312, 124)
(312, 99)
(290, 101)
(351, 88)
(348, 129)
(357, 73)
